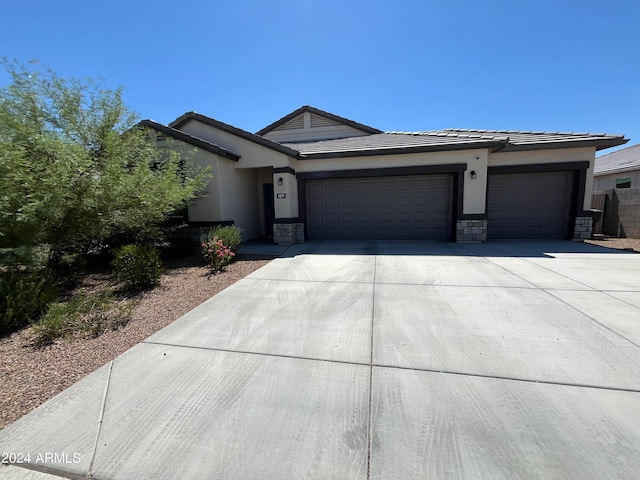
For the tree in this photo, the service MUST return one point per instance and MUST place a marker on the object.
(75, 170)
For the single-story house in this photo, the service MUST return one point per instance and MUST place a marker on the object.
(619, 169)
(313, 175)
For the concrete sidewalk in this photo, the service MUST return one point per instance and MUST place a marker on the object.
(371, 360)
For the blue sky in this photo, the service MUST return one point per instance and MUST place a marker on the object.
(396, 65)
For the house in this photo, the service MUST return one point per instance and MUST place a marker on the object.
(619, 169)
(313, 175)
(616, 185)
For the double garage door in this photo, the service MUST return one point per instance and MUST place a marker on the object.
(519, 205)
(529, 205)
(399, 207)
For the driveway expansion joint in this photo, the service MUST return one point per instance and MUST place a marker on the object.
(513, 379)
(101, 419)
(616, 333)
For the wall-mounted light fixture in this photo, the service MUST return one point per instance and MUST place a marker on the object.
(280, 181)
(473, 174)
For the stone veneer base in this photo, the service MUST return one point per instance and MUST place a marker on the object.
(288, 233)
(471, 231)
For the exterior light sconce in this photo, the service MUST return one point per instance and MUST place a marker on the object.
(280, 181)
(473, 174)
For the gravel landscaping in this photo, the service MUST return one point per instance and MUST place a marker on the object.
(618, 243)
(30, 376)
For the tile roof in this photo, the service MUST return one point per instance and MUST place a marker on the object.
(394, 142)
(525, 140)
(624, 160)
(450, 139)
(190, 139)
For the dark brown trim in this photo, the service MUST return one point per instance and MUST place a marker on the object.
(588, 213)
(286, 220)
(180, 121)
(455, 169)
(472, 216)
(384, 172)
(403, 150)
(539, 167)
(190, 139)
(322, 113)
(284, 170)
(598, 143)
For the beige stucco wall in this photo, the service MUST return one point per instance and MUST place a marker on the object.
(252, 155)
(238, 197)
(285, 207)
(207, 207)
(551, 156)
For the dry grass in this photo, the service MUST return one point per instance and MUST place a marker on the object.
(29, 376)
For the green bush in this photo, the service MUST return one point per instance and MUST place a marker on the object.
(86, 315)
(24, 295)
(137, 266)
(230, 236)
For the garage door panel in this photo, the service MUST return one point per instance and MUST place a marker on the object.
(409, 207)
(529, 205)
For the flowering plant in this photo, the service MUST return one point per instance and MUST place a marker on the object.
(216, 254)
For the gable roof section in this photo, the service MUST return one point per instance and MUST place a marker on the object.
(190, 139)
(531, 140)
(322, 113)
(624, 160)
(278, 147)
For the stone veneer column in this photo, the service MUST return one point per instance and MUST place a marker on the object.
(583, 228)
(288, 233)
(471, 231)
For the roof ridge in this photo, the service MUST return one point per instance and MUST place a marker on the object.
(322, 113)
(531, 132)
(449, 133)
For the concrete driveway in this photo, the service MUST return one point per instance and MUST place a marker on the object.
(373, 360)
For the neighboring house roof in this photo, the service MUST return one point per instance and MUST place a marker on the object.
(322, 113)
(624, 160)
(190, 139)
(180, 121)
(451, 139)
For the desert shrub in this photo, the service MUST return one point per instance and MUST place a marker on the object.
(24, 295)
(89, 315)
(216, 254)
(137, 266)
(230, 236)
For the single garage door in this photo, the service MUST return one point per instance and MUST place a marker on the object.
(529, 205)
(404, 207)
